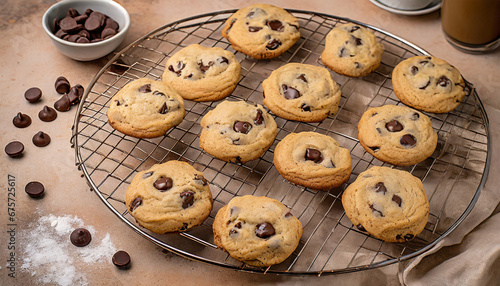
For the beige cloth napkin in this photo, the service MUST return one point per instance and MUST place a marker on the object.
(470, 255)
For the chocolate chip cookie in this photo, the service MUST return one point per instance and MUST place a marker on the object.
(262, 31)
(258, 231)
(397, 134)
(428, 83)
(312, 160)
(352, 50)
(387, 203)
(202, 74)
(145, 108)
(301, 92)
(169, 197)
(236, 131)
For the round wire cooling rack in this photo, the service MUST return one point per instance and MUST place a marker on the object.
(453, 176)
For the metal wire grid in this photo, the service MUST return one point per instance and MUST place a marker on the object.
(453, 176)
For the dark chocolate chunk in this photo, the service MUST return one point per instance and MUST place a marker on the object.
(354, 28)
(302, 77)
(33, 94)
(187, 199)
(47, 114)
(238, 224)
(357, 65)
(258, 118)
(305, 107)
(343, 52)
(156, 92)
(62, 104)
(41, 139)
(360, 227)
(145, 88)
(380, 187)
(203, 67)
(231, 25)
(121, 259)
(178, 71)
(413, 70)
(21, 120)
(275, 25)
(426, 85)
(68, 25)
(163, 109)
(264, 230)
(408, 237)
(408, 141)
(375, 211)
(394, 126)
(415, 116)
(357, 41)
(34, 189)
(273, 44)
(14, 149)
(135, 204)
(232, 232)
(147, 175)
(253, 29)
(443, 81)
(62, 85)
(235, 141)
(75, 94)
(200, 180)
(242, 127)
(80, 237)
(313, 155)
(163, 183)
(288, 214)
(397, 199)
(374, 148)
(223, 60)
(290, 92)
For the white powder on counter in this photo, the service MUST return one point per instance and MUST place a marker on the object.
(50, 257)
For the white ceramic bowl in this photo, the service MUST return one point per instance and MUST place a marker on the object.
(87, 51)
(406, 4)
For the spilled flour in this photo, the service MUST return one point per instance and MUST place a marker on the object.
(50, 257)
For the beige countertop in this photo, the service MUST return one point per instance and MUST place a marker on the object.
(29, 59)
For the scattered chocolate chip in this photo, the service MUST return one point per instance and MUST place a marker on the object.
(200, 180)
(443, 81)
(413, 70)
(273, 44)
(63, 104)
(135, 204)
(302, 77)
(62, 85)
(47, 114)
(313, 155)
(408, 141)
(354, 28)
(33, 94)
(178, 71)
(375, 211)
(163, 183)
(121, 259)
(203, 67)
(41, 139)
(145, 88)
(394, 126)
(426, 85)
(258, 118)
(147, 175)
(374, 148)
(357, 41)
(21, 120)
(264, 230)
(80, 237)
(75, 94)
(397, 199)
(242, 127)
(163, 109)
(253, 29)
(187, 199)
(305, 107)
(290, 92)
(14, 149)
(380, 188)
(275, 25)
(34, 189)
(415, 116)
(360, 227)
(223, 60)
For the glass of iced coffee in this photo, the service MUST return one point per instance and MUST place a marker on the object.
(471, 25)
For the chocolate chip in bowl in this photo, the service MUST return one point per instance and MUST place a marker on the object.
(86, 30)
